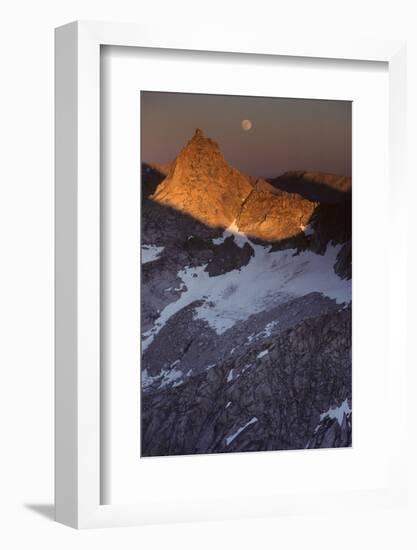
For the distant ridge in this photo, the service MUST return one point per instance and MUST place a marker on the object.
(316, 186)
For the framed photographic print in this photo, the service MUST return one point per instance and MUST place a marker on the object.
(220, 224)
(246, 280)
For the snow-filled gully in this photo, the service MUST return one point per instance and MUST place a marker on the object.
(268, 279)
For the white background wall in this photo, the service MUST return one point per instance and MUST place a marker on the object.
(26, 272)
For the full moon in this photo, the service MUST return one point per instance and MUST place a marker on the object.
(246, 125)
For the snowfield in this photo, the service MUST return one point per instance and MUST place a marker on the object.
(270, 278)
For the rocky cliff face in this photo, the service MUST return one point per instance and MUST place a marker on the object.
(291, 391)
(274, 217)
(246, 318)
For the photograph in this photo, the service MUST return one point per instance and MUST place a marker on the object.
(246, 273)
(208, 266)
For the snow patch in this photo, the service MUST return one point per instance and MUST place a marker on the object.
(219, 240)
(265, 333)
(171, 376)
(230, 438)
(147, 379)
(262, 354)
(337, 412)
(165, 378)
(307, 229)
(240, 238)
(150, 252)
(246, 367)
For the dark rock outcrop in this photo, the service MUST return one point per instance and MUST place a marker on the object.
(343, 265)
(228, 256)
(332, 223)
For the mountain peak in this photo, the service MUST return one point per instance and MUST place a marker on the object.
(199, 144)
(201, 184)
(198, 133)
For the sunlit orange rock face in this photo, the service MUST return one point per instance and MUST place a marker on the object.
(274, 217)
(201, 184)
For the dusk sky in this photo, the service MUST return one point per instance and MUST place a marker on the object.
(286, 134)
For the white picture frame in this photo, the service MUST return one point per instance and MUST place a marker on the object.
(78, 321)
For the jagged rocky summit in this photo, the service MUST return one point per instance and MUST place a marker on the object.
(201, 183)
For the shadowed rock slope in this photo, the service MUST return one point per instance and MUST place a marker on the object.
(282, 394)
(315, 186)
